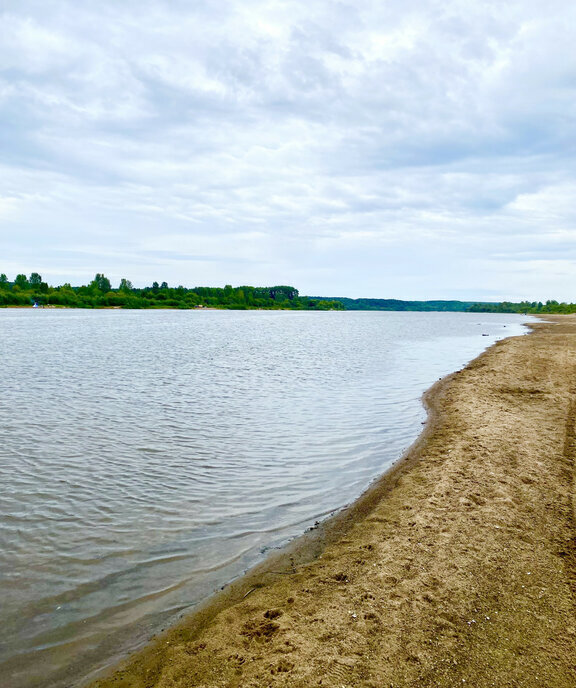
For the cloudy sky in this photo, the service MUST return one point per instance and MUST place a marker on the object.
(386, 148)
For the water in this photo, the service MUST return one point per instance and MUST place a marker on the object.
(147, 458)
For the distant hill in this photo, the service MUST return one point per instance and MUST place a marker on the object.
(398, 305)
(525, 307)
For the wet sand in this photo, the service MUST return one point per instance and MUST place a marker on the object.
(457, 568)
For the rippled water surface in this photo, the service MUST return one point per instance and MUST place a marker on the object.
(147, 458)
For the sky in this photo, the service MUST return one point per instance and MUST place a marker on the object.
(413, 149)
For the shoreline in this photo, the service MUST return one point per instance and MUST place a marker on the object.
(414, 583)
(301, 550)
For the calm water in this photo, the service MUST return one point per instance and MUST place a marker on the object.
(147, 458)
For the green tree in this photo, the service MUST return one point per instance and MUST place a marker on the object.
(21, 281)
(35, 279)
(3, 281)
(101, 282)
(125, 285)
(283, 292)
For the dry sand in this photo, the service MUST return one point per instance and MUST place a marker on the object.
(457, 569)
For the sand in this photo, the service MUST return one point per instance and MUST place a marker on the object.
(457, 569)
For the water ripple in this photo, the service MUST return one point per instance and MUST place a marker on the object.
(148, 458)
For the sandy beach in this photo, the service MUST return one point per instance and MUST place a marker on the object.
(458, 568)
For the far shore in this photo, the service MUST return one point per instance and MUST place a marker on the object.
(53, 307)
(457, 568)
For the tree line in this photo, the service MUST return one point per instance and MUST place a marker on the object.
(99, 293)
(532, 307)
(399, 305)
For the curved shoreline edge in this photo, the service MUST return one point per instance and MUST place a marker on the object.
(457, 565)
(303, 549)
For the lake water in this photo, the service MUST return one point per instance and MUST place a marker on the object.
(149, 457)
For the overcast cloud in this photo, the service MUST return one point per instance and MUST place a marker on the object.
(387, 148)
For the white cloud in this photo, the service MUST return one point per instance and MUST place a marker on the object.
(359, 148)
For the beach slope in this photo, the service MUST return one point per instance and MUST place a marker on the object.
(458, 568)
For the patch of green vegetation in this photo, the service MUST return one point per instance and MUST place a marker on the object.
(398, 305)
(524, 307)
(455, 306)
(27, 291)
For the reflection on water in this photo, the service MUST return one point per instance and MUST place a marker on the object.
(149, 457)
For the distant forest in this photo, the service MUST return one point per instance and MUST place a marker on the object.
(461, 306)
(30, 291)
(99, 293)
